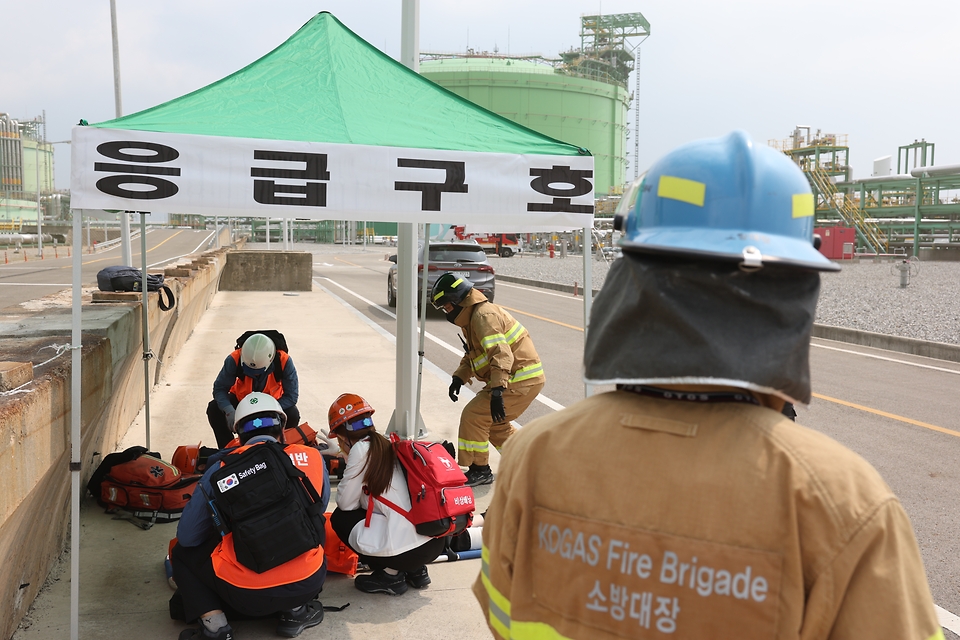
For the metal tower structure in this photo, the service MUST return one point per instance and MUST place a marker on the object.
(604, 53)
(917, 208)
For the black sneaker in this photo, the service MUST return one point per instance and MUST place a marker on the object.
(201, 633)
(382, 582)
(292, 623)
(418, 579)
(477, 475)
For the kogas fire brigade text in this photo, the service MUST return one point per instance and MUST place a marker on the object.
(617, 556)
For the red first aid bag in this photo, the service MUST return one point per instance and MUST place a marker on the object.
(340, 558)
(441, 503)
(142, 484)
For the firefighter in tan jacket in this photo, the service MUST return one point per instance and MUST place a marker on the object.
(499, 353)
(710, 514)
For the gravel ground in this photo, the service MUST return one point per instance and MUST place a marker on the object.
(864, 295)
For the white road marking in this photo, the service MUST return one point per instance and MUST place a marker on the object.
(876, 357)
(948, 620)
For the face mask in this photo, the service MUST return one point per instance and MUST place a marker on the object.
(452, 316)
(253, 373)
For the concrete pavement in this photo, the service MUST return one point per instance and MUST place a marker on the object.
(123, 589)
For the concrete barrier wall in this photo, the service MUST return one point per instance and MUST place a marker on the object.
(35, 420)
(268, 271)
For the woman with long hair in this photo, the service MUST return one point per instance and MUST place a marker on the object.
(389, 544)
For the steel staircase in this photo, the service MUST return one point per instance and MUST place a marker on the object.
(869, 232)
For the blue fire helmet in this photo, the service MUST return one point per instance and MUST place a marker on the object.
(724, 199)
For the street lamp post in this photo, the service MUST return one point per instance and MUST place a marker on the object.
(36, 156)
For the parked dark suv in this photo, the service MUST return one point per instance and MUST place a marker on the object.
(464, 258)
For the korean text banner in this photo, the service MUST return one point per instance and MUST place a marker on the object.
(213, 175)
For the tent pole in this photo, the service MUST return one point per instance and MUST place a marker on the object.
(587, 290)
(75, 413)
(402, 420)
(145, 328)
(266, 225)
(405, 415)
(423, 315)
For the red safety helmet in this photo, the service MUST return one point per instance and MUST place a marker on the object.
(186, 458)
(349, 409)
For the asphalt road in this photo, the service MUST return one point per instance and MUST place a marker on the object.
(22, 281)
(897, 411)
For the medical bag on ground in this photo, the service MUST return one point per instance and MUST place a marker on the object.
(138, 481)
(340, 558)
(270, 506)
(441, 503)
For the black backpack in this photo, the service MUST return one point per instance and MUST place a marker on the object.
(270, 506)
(131, 279)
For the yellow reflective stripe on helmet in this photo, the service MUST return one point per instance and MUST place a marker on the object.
(802, 205)
(530, 371)
(491, 340)
(452, 286)
(514, 334)
(472, 445)
(689, 191)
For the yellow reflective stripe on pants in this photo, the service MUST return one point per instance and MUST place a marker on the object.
(514, 334)
(472, 445)
(491, 340)
(530, 371)
(499, 607)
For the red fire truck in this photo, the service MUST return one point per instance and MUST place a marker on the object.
(502, 244)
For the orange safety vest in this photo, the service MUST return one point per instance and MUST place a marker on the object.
(224, 557)
(244, 384)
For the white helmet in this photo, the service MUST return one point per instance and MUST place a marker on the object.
(258, 411)
(257, 351)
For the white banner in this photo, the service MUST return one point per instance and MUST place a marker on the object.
(212, 175)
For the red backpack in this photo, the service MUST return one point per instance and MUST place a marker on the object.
(441, 503)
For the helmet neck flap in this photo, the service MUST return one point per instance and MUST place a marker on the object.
(677, 322)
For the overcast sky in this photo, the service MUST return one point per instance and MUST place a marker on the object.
(876, 70)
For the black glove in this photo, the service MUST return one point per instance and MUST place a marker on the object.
(454, 389)
(497, 412)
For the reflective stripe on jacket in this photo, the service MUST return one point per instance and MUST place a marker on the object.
(500, 352)
(224, 558)
(244, 384)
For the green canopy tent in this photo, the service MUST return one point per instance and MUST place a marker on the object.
(327, 127)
